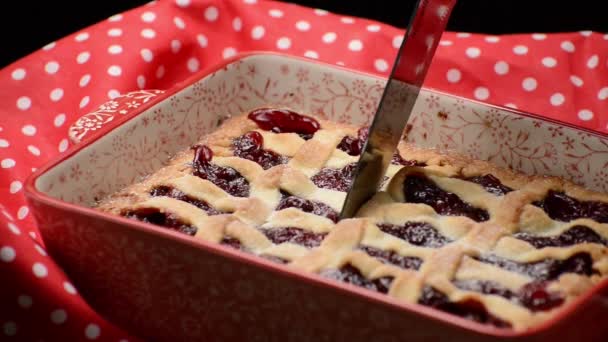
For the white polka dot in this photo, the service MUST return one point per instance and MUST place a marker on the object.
(115, 18)
(115, 49)
(84, 101)
(13, 228)
(114, 70)
(148, 17)
(92, 331)
(442, 11)
(15, 186)
(29, 130)
(347, 20)
(283, 43)
(429, 41)
(179, 23)
(81, 37)
(176, 45)
(115, 32)
(501, 68)
(529, 84)
(603, 93)
(250, 2)
(7, 254)
(4, 143)
(211, 13)
(49, 46)
(228, 52)
(25, 301)
(585, 114)
(557, 99)
(51, 67)
(585, 33)
(18, 74)
(592, 62)
(83, 57)
(549, 62)
(39, 249)
(84, 80)
(311, 54)
(453, 75)
(182, 3)
(22, 212)
(481, 93)
(40, 270)
(577, 81)
(605, 36)
(321, 12)
(373, 28)
(10, 328)
(463, 35)
(7, 163)
(237, 24)
(520, 50)
(397, 40)
(355, 45)
(258, 32)
(148, 33)
(539, 36)
(58, 316)
(381, 65)
(160, 72)
(24, 103)
(473, 52)
(329, 37)
(303, 25)
(193, 64)
(56, 94)
(113, 93)
(146, 55)
(32, 235)
(69, 288)
(33, 150)
(445, 42)
(492, 39)
(275, 13)
(567, 46)
(511, 105)
(141, 81)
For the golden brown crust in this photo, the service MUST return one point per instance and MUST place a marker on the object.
(246, 219)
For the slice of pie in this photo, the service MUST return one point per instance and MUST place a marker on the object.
(459, 235)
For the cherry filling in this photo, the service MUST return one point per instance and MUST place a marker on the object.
(562, 207)
(398, 160)
(547, 269)
(572, 236)
(350, 274)
(391, 257)
(174, 193)
(469, 309)
(416, 233)
(536, 297)
(335, 179)
(250, 146)
(419, 189)
(533, 295)
(232, 242)
(354, 145)
(491, 184)
(226, 178)
(285, 121)
(294, 235)
(154, 216)
(307, 206)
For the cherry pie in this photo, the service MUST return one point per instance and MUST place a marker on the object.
(459, 235)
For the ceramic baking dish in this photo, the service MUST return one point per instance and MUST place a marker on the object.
(164, 285)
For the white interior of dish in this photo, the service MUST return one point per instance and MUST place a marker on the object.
(144, 143)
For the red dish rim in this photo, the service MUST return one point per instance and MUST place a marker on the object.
(456, 322)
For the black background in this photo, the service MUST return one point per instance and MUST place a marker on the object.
(27, 25)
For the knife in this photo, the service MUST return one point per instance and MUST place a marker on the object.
(420, 41)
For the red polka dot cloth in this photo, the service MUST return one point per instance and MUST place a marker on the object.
(561, 76)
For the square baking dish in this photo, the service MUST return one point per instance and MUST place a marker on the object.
(164, 285)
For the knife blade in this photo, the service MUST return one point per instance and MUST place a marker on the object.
(415, 54)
